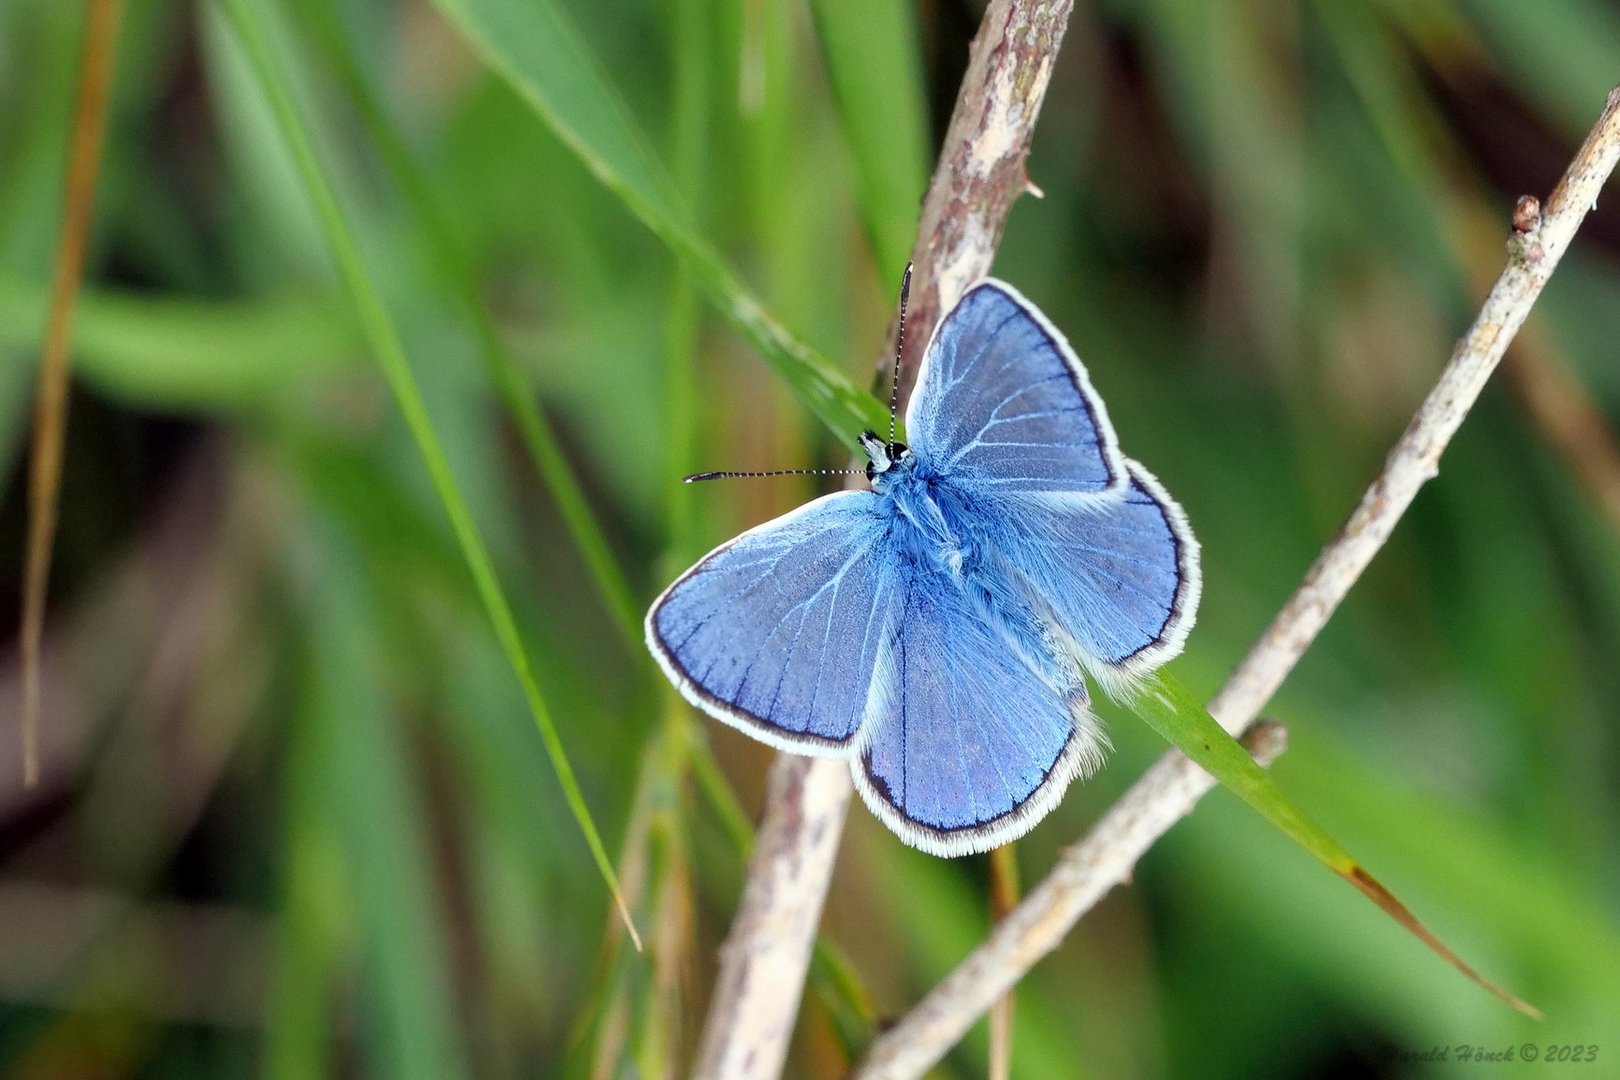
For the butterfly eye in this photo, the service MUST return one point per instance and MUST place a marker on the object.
(871, 471)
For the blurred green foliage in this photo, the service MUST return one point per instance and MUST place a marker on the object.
(296, 819)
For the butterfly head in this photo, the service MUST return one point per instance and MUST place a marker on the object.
(884, 455)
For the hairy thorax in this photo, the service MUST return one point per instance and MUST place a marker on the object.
(933, 527)
(943, 534)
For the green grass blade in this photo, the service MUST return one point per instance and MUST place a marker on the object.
(163, 351)
(366, 791)
(690, 31)
(728, 809)
(533, 46)
(870, 51)
(379, 330)
(839, 988)
(1167, 707)
(314, 916)
(455, 271)
(306, 969)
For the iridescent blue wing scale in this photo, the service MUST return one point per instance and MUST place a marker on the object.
(970, 739)
(1006, 417)
(1003, 403)
(778, 631)
(1119, 577)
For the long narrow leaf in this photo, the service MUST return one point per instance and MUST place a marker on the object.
(455, 271)
(379, 329)
(50, 408)
(313, 915)
(163, 351)
(1183, 721)
(870, 51)
(534, 47)
(364, 788)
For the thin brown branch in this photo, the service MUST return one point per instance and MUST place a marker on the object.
(979, 176)
(767, 954)
(1546, 388)
(1082, 876)
(981, 167)
(50, 407)
(1003, 899)
(1533, 255)
(1547, 391)
(1172, 786)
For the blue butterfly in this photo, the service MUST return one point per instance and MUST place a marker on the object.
(938, 630)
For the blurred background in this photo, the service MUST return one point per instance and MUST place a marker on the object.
(296, 816)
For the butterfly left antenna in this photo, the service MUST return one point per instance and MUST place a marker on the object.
(696, 477)
(894, 408)
(899, 350)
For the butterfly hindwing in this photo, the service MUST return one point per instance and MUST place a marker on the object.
(1003, 403)
(778, 631)
(968, 742)
(1004, 416)
(1119, 576)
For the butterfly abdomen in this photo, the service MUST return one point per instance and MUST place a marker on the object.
(943, 531)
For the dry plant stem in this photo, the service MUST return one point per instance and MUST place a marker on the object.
(1003, 899)
(1543, 384)
(981, 168)
(1082, 876)
(1547, 390)
(50, 406)
(767, 954)
(1416, 458)
(1172, 786)
(980, 173)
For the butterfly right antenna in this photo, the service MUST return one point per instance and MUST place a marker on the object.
(899, 350)
(696, 478)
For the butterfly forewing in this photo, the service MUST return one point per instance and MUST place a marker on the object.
(1002, 402)
(1120, 576)
(1006, 416)
(777, 632)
